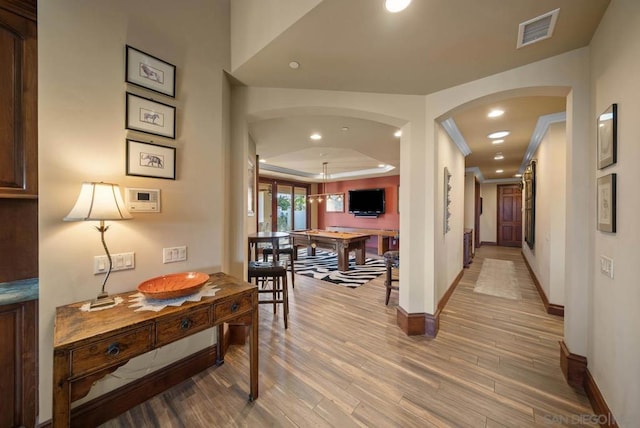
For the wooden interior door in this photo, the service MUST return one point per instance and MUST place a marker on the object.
(510, 215)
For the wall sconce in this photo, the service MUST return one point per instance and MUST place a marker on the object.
(100, 202)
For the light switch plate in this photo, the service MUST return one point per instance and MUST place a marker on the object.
(174, 254)
(121, 261)
(606, 266)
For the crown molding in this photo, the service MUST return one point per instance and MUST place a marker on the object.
(475, 171)
(319, 178)
(538, 134)
(452, 130)
(288, 171)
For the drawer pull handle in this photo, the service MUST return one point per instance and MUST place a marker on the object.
(234, 307)
(185, 323)
(113, 349)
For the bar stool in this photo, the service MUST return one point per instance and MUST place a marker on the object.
(288, 251)
(277, 272)
(391, 260)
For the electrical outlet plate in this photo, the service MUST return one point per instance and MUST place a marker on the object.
(174, 254)
(121, 261)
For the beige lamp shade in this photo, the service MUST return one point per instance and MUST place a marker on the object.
(99, 201)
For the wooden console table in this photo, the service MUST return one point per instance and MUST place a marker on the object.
(90, 345)
(272, 238)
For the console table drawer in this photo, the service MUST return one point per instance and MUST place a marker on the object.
(109, 352)
(231, 308)
(175, 328)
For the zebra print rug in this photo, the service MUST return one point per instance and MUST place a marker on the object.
(324, 266)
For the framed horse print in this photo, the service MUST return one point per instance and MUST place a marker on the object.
(152, 117)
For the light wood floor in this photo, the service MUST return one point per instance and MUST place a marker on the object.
(343, 362)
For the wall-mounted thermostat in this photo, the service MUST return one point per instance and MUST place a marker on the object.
(142, 200)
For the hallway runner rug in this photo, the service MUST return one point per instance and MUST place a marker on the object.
(498, 278)
(324, 266)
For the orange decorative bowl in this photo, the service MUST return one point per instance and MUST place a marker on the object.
(173, 285)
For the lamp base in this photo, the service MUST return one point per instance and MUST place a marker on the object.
(103, 299)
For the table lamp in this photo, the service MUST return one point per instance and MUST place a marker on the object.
(100, 202)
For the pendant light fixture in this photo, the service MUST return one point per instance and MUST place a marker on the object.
(319, 197)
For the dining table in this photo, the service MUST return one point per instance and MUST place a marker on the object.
(264, 237)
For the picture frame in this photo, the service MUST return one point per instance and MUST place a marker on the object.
(608, 137)
(251, 186)
(606, 203)
(151, 160)
(529, 179)
(147, 71)
(334, 204)
(149, 116)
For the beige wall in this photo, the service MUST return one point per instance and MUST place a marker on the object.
(489, 216)
(614, 342)
(469, 200)
(448, 248)
(82, 138)
(547, 256)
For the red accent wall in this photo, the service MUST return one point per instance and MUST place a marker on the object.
(389, 220)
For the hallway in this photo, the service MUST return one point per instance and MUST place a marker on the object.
(344, 362)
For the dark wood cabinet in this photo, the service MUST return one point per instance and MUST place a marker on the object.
(18, 140)
(18, 102)
(18, 366)
(18, 212)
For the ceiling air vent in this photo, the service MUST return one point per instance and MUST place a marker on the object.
(537, 29)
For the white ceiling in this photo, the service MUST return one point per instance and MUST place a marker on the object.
(359, 150)
(356, 45)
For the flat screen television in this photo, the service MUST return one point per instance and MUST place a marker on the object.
(366, 201)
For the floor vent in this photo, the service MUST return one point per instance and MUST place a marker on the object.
(537, 29)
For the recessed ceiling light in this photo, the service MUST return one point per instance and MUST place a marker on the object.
(316, 136)
(498, 156)
(497, 141)
(263, 161)
(495, 113)
(394, 6)
(517, 175)
(294, 65)
(397, 134)
(499, 171)
(498, 134)
(344, 128)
